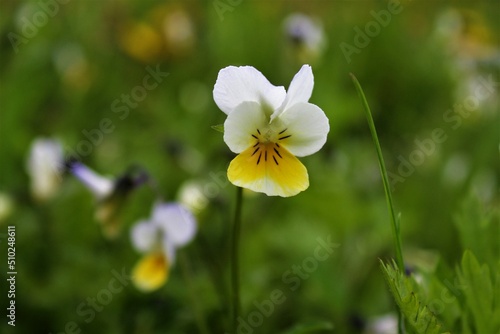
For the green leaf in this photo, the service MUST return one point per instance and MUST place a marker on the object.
(479, 294)
(440, 298)
(310, 327)
(383, 172)
(496, 298)
(219, 127)
(478, 231)
(405, 292)
(466, 329)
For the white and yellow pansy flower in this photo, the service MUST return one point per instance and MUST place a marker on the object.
(110, 194)
(44, 167)
(170, 227)
(268, 128)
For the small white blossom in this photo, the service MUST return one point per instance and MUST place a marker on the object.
(44, 167)
(386, 324)
(191, 195)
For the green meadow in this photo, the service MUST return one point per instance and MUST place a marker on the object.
(126, 88)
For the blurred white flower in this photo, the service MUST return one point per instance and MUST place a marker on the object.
(386, 324)
(466, 35)
(191, 195)
(306, 36)
(44, 167)
(473, 55)
(179, 31)
(170, 227)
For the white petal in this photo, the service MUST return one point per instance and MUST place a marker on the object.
(99, 185)
(241, 124)
(300, 90)
(308, 126)
(235, 85)
(176, 221)
(44, 167)
(384, 324)
(144, 235)
(169, 250)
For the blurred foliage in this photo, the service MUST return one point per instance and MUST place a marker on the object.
(72, 73)
(432, 301)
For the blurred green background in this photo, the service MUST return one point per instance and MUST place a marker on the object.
(64, 77)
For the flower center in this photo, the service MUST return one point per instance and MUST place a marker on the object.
(268, 145)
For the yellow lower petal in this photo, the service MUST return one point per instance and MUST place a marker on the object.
(151, 272)
(269, 168)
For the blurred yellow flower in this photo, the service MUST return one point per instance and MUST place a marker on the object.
(151, 272)
(165, 32)
(170, 227)
(268, 127)
(141, 41)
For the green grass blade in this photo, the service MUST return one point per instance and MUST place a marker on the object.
(385, 179)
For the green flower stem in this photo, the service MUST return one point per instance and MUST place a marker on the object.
(235, 275)
(387, 189)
